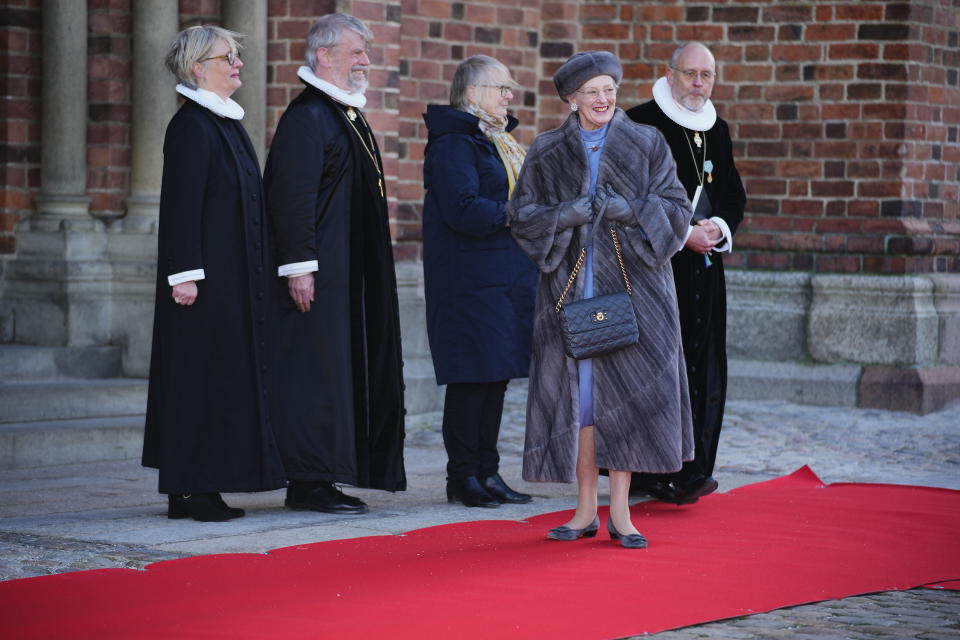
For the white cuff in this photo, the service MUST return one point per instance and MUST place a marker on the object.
(727, 245)
(298, 268)
(687, 237)
(185, 276)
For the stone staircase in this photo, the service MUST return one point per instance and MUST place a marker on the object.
(62, 405)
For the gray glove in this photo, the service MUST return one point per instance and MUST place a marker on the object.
(575, 213)
(616, 207)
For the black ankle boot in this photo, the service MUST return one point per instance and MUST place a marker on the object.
(496, 487)
(470, 492)
(199, 506)
(233, 512)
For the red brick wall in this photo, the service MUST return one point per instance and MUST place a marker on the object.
(20, 115)
(845, 117)
(434, 36)
(845, 114)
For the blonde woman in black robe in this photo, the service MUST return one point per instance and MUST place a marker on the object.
(208, 428)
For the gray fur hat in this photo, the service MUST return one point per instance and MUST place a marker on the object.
(582, 66)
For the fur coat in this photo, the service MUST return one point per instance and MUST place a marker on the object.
(641, 405)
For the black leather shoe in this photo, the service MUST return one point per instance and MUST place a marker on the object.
(199, 506)
(628, 541)
(497, 488)
(322, 496)
(470, 492)
(233, 512)
(690, 493)
(658, 489)
(563, 532)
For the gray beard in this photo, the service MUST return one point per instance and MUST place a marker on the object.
(357, 84)
(694, 104)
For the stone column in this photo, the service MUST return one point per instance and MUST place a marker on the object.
(62, 201)
(155, 24)
(249, 17)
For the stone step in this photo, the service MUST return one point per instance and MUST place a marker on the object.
(27, 362)
(825, 385)
(27, 445)
(46, 400)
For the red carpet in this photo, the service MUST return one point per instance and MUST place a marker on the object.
(761, 547)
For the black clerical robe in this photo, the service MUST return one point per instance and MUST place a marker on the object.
(701, 291)
(339, 381)
(208, 426)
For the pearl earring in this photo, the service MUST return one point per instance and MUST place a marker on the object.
(574, 107)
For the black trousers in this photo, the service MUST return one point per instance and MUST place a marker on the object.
(471, 426)
(708, 394)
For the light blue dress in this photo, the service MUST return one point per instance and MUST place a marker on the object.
(591, 140)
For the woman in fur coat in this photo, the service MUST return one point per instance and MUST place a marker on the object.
(628, 410)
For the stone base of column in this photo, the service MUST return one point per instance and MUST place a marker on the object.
(824, 385)
(59, 302)
(67, 212)
(914, 389)
(767, 315)
(143, 214)
(887, 320)
(890, 342)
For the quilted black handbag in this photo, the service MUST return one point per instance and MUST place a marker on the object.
(600, 325)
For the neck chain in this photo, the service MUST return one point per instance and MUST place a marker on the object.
(598, 144)
(693, 156)
(351, 116)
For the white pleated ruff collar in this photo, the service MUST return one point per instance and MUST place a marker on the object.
(223, 108)
(693, 120)
(356, 100)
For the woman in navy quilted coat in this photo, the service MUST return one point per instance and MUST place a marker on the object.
(479, 285)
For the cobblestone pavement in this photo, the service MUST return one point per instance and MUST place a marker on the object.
(91, 516)
(925, 614)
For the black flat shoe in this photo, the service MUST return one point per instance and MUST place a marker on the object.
(233, 512)
(322, 496)
(688, 494)
(629, 541)
(563, 532)
(199, 506)
(497, 488)
(470, 492)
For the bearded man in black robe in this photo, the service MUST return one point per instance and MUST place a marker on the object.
(701, 146)
(338, 396)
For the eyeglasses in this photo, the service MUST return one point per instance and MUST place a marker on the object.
(691, 74)
(504, 89)
(230, 57)
(593, 94)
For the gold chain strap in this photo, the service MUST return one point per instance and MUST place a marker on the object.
(583, 255)
(572, 278)
(623, 268)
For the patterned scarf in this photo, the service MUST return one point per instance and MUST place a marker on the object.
(510, 151)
